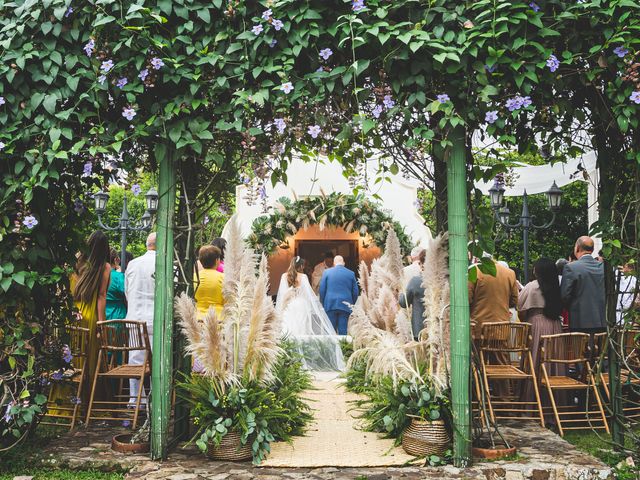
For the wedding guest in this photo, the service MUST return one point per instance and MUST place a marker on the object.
(338, 290)
(221, 244)
(89, 289)
(139, 284)
(413, 297)
(582, 290)
(208, 283)
(540, 305)
(319, 269)
(415, 268)
(116, 300)
(491, 297)
(560, 264)
(627, 284)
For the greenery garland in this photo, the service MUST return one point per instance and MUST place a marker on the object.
(354, 213)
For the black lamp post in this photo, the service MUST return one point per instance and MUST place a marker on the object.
(502, 213)
(124, 224)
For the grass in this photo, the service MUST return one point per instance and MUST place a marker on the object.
(598, 444)
(21, 461)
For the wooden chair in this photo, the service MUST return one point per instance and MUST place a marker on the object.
(498, 342)
(571, 349)
(117, 338)
(67, 413)
(628, 343)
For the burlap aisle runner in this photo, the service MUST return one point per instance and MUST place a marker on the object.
(334, 439)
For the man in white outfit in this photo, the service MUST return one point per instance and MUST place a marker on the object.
(139, 285)
(414, 269)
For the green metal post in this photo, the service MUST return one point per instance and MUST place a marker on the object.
(616, 422)
(459, 309)
(162, 369)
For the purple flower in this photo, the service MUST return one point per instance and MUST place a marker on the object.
(2, 145)
(443, 98)
(377, 111)
(263, 191)
(526, 101)
(106, 66)
(273, 43)
(89, 47)
(44, 382)
(7, 414)
(78, 206)
(157, 63)
(491, 117)
(534, 6)
(277, 24)
(266, 15)
(357, 5)
(57, 375)
(101, 79)
(144, 73)
(87, 169)
(206, 220)
(66, 354)
(122, 82)
(126, 423)
(635, 97)
(257, 29)
(325, 53)
(280, 125)
(553, 63)
(135, 189)
(68, 12)
(128, 113)
(286, 87)
(2, 101)
(75, 400)
(516, 103)
(388, 102)
(620, 51)
(490, 69)
(314, 131)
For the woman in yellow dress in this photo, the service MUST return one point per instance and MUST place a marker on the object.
(208, 283)
(89, 286)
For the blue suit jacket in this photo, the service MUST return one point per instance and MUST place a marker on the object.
(338, 285)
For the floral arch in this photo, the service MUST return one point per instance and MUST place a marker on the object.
(353, 213)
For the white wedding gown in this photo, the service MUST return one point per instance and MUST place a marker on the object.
(305, 322)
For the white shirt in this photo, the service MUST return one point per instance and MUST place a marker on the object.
(139, 287)
(626, 295)
(409, 272)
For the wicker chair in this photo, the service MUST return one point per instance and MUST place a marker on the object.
(67, 413)
(571, 349)
(628, 342)
(497, 343)
(117, 338)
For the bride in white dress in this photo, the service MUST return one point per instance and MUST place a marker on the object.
(305, 322)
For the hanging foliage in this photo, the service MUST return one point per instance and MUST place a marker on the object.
(354, 213)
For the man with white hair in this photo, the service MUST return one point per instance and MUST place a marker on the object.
(415, 268)
(338, 291)
(139, 286)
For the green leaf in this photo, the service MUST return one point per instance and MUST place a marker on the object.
(204, 14)
(73, 83)
(50, 103)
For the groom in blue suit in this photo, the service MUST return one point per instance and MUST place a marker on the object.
(338, 288)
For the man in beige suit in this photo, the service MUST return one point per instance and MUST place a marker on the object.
(491, 297)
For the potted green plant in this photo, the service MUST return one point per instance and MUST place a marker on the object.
(247, 390)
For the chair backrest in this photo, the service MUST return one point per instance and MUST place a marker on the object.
(631, 346)
(505, 337)
(564, 348)
(123, 335)
(78, 344)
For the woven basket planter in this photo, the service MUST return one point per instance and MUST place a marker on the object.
(423, 438)
(231, 449)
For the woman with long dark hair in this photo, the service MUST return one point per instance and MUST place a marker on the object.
(89, 290)
(89, 284)
(221, 244)
(540, 304)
